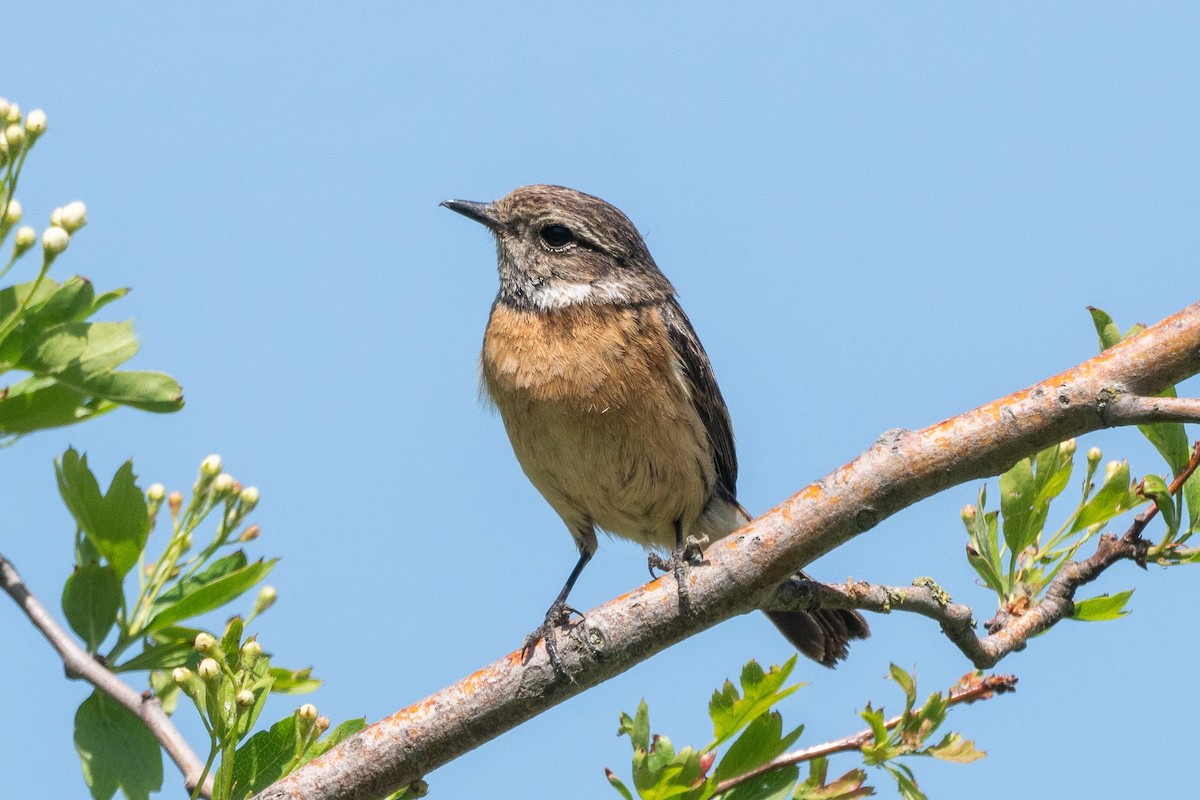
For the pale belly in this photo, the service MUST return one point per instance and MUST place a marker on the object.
(631, 474)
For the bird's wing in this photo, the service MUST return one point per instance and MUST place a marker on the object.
(697, 375)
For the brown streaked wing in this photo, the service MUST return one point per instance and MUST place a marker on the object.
(706, 395)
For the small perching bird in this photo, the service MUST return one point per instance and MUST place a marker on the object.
(608, 397)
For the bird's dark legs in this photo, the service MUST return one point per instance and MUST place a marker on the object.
(556, 616)
(686, 553)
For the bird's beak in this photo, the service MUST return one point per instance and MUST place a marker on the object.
(483, 213)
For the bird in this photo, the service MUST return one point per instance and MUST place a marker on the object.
(609, 399)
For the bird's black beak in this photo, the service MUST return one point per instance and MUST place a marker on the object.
(483, 213)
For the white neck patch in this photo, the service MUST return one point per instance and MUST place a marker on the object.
(562, 294)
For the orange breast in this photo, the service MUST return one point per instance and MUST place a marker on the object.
(598, 417)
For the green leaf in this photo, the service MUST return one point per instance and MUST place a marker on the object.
(906, 684)
(1102, 608)
(848, 787)
(163, 685)
(1052, 473)
(617, 784)
(730, 712)
(1016, 505)
(905, 782)
(165, 655)
(84, 355)
(637, 728)
(957, 749)
(664, 773)
(983, 546)
(1155, 488)
(1107, 330)
(79, 489)
(116, 749)
(774, 785)
(1170, 439)
(289, 681)
(217, 569)
(231, 641)
(879, 750)
(1113, 498)
(104, 299)
(212, 595)
(37, 403)
(11, 299)
(91, 599)
(1191, 493)
(260, 761)
(761, 741)
(116, 522)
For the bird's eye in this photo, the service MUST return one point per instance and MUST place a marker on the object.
(556, 236)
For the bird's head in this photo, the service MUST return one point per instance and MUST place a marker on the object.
(557, 247)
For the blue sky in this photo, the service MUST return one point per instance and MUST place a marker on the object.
(876, 216)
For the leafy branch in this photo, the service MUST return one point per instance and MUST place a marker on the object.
(44, 325)
(758, 763)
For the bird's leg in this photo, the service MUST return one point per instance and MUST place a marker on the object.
(686, 554)
(557, 616)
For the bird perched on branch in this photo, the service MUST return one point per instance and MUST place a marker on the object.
(608, 397)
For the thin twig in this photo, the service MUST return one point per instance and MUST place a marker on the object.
(79, 664)
(1135, 410)
(980, 687)
(1009, 630)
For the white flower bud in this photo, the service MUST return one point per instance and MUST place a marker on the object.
(73, 216)
(14, 135)
(56, 216)
(14, 114)
(4, 104)
(24, 238)
(244, 698)
(35, 123)
(204, 642)
(1111, 469)
(156, 492)
(266, 598)
(249, 498)
(223, 484)
(251, 651)
(1093, 456)
(14, 212)
(55, 240)
(209, 669)
(308, 712)
(181, 675)
(211, 466)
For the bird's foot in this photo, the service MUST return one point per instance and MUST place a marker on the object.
(557, 616)
(687, 555)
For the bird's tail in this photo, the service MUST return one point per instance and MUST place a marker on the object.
(824, 635)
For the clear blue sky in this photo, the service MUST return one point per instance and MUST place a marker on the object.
(876, 215)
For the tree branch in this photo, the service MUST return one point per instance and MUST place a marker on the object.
(78, 664)
(1009, 630)
(972, 689)
(1133, 410)
(743, 570)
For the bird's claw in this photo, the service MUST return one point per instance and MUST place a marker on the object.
(557, 616)
(687, 555)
